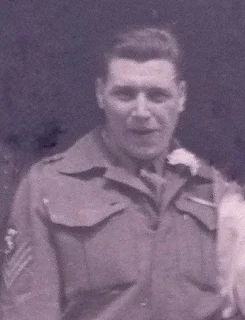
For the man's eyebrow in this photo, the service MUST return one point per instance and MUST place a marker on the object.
(158, 89)
(132, 87)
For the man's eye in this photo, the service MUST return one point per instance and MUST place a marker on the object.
(124, 94)
(158, 96)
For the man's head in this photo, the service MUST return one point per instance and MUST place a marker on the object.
(141, 90)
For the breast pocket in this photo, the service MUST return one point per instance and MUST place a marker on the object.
(96, 246)
(196, 232)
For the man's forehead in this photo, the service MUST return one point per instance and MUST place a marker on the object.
(120, 68)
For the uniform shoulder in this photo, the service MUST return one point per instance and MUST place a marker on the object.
(77, 155)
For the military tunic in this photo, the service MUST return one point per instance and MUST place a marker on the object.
(90, 243)
(8, 178)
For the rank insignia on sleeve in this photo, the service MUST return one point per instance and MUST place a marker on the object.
(10, 240)
(18, 257)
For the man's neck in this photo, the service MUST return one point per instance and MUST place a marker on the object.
(130, 163)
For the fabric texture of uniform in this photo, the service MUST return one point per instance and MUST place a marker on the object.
(90, 242)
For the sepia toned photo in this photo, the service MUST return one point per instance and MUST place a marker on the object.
(122, 160)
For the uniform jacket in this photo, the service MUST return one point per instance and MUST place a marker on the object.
(87, 241)
(8, 177)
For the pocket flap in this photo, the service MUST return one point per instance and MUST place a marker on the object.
(202, 211)
(87, 216)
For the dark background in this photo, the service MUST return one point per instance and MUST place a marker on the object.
(47, 71)
(47, 67)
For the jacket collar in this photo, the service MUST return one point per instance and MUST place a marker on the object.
(90, 152)
(87, 153)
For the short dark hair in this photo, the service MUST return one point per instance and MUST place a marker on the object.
(141, 44)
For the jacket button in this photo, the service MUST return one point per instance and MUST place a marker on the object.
(45, 201)
(143, 303)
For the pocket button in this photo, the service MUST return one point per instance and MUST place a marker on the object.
(144, 303)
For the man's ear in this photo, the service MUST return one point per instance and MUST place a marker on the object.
(99, 88)
(182, 95)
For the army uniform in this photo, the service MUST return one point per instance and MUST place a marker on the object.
(89, 241)
(8, 177)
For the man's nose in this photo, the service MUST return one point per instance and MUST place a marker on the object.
(141, 108)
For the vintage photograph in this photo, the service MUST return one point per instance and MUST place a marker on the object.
(122, 164)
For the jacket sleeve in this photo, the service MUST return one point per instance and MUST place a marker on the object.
(30, 287)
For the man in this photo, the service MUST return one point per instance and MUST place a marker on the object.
(122, 225)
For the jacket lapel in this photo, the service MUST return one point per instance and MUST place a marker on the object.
(121, 175)
(197, 200)
(204, 211)
(174, 182)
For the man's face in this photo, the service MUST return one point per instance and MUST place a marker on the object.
(142, 102)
